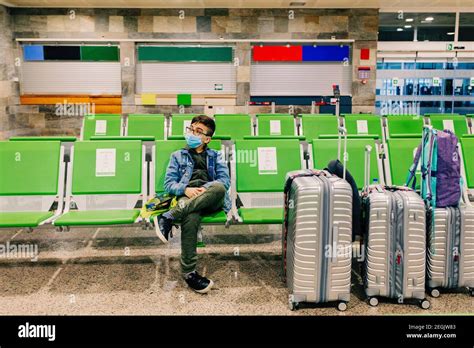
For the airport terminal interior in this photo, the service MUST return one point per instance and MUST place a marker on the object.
(95, 96)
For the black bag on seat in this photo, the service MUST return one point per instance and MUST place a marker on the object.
(336, 168)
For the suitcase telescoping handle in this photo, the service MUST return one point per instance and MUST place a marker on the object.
(368, 151)
(342, 133)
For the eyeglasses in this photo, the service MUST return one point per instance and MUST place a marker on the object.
(191, 130)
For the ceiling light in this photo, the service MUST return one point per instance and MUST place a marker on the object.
(407, 26)
(409, 20)
(399, 29)
(429, 19)
(450, 33)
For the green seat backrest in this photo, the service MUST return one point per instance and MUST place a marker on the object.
(163, 151)
(29, 167)
(363, 124)
(121, 175)
(401, 154)
(316, 124)
(179, 122)
(275, 124)
(139, 125)
(454, 122)
(467, 144)
(325, 150)
(254, 175)
(236, 126)
(405, 124)
(113, 125)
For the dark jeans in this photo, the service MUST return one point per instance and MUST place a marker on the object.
(189, 212)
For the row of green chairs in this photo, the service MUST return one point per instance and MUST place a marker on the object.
(105, 182)
(238, 126)
(28, 181)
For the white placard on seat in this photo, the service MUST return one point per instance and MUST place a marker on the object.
(267, 160)
(100, 127)
(448, 124)
(105, 162)
(362, 127)
(275, 127)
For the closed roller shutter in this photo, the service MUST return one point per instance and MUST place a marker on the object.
(299, 79)
(196, 78)
(71, 78)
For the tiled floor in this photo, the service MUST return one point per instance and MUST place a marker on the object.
(127, 271)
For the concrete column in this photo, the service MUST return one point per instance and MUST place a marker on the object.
(127, 61)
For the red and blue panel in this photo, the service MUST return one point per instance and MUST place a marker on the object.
(333, 53)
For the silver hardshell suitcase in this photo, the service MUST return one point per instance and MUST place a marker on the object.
(394, 220)
(317, 246)
(451, 249)
(317, 237)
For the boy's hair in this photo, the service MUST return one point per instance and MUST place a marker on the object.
(207, 121)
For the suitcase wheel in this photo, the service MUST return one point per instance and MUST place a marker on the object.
(293, 305)
(342, 306)
(425, 304)
(373, 301)
(434, 293)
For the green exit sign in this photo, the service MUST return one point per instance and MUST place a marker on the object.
(450, 46)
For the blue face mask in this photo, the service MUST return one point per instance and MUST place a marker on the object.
(193, 140)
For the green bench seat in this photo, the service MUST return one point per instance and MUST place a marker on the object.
(467, 144)
(276, 125)
(90, 181)
(313, 125)
(325, 150)
(401, 152)
(261, 215)
(30, 171)
(24, 218)
(363, 124)
(93, 125)
(98, 217)
(236, 126)
(255, 180)
(178, 123)
(454, 122)
(404, 124)
(146, 124)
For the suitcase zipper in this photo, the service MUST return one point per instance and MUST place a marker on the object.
(449, 239)
(450, 246)
(453, 255)
(397, 253)
(392, 239)
(325, 235)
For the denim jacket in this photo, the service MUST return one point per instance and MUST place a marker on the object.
(180, 170)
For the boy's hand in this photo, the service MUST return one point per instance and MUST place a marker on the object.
(191, 192)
